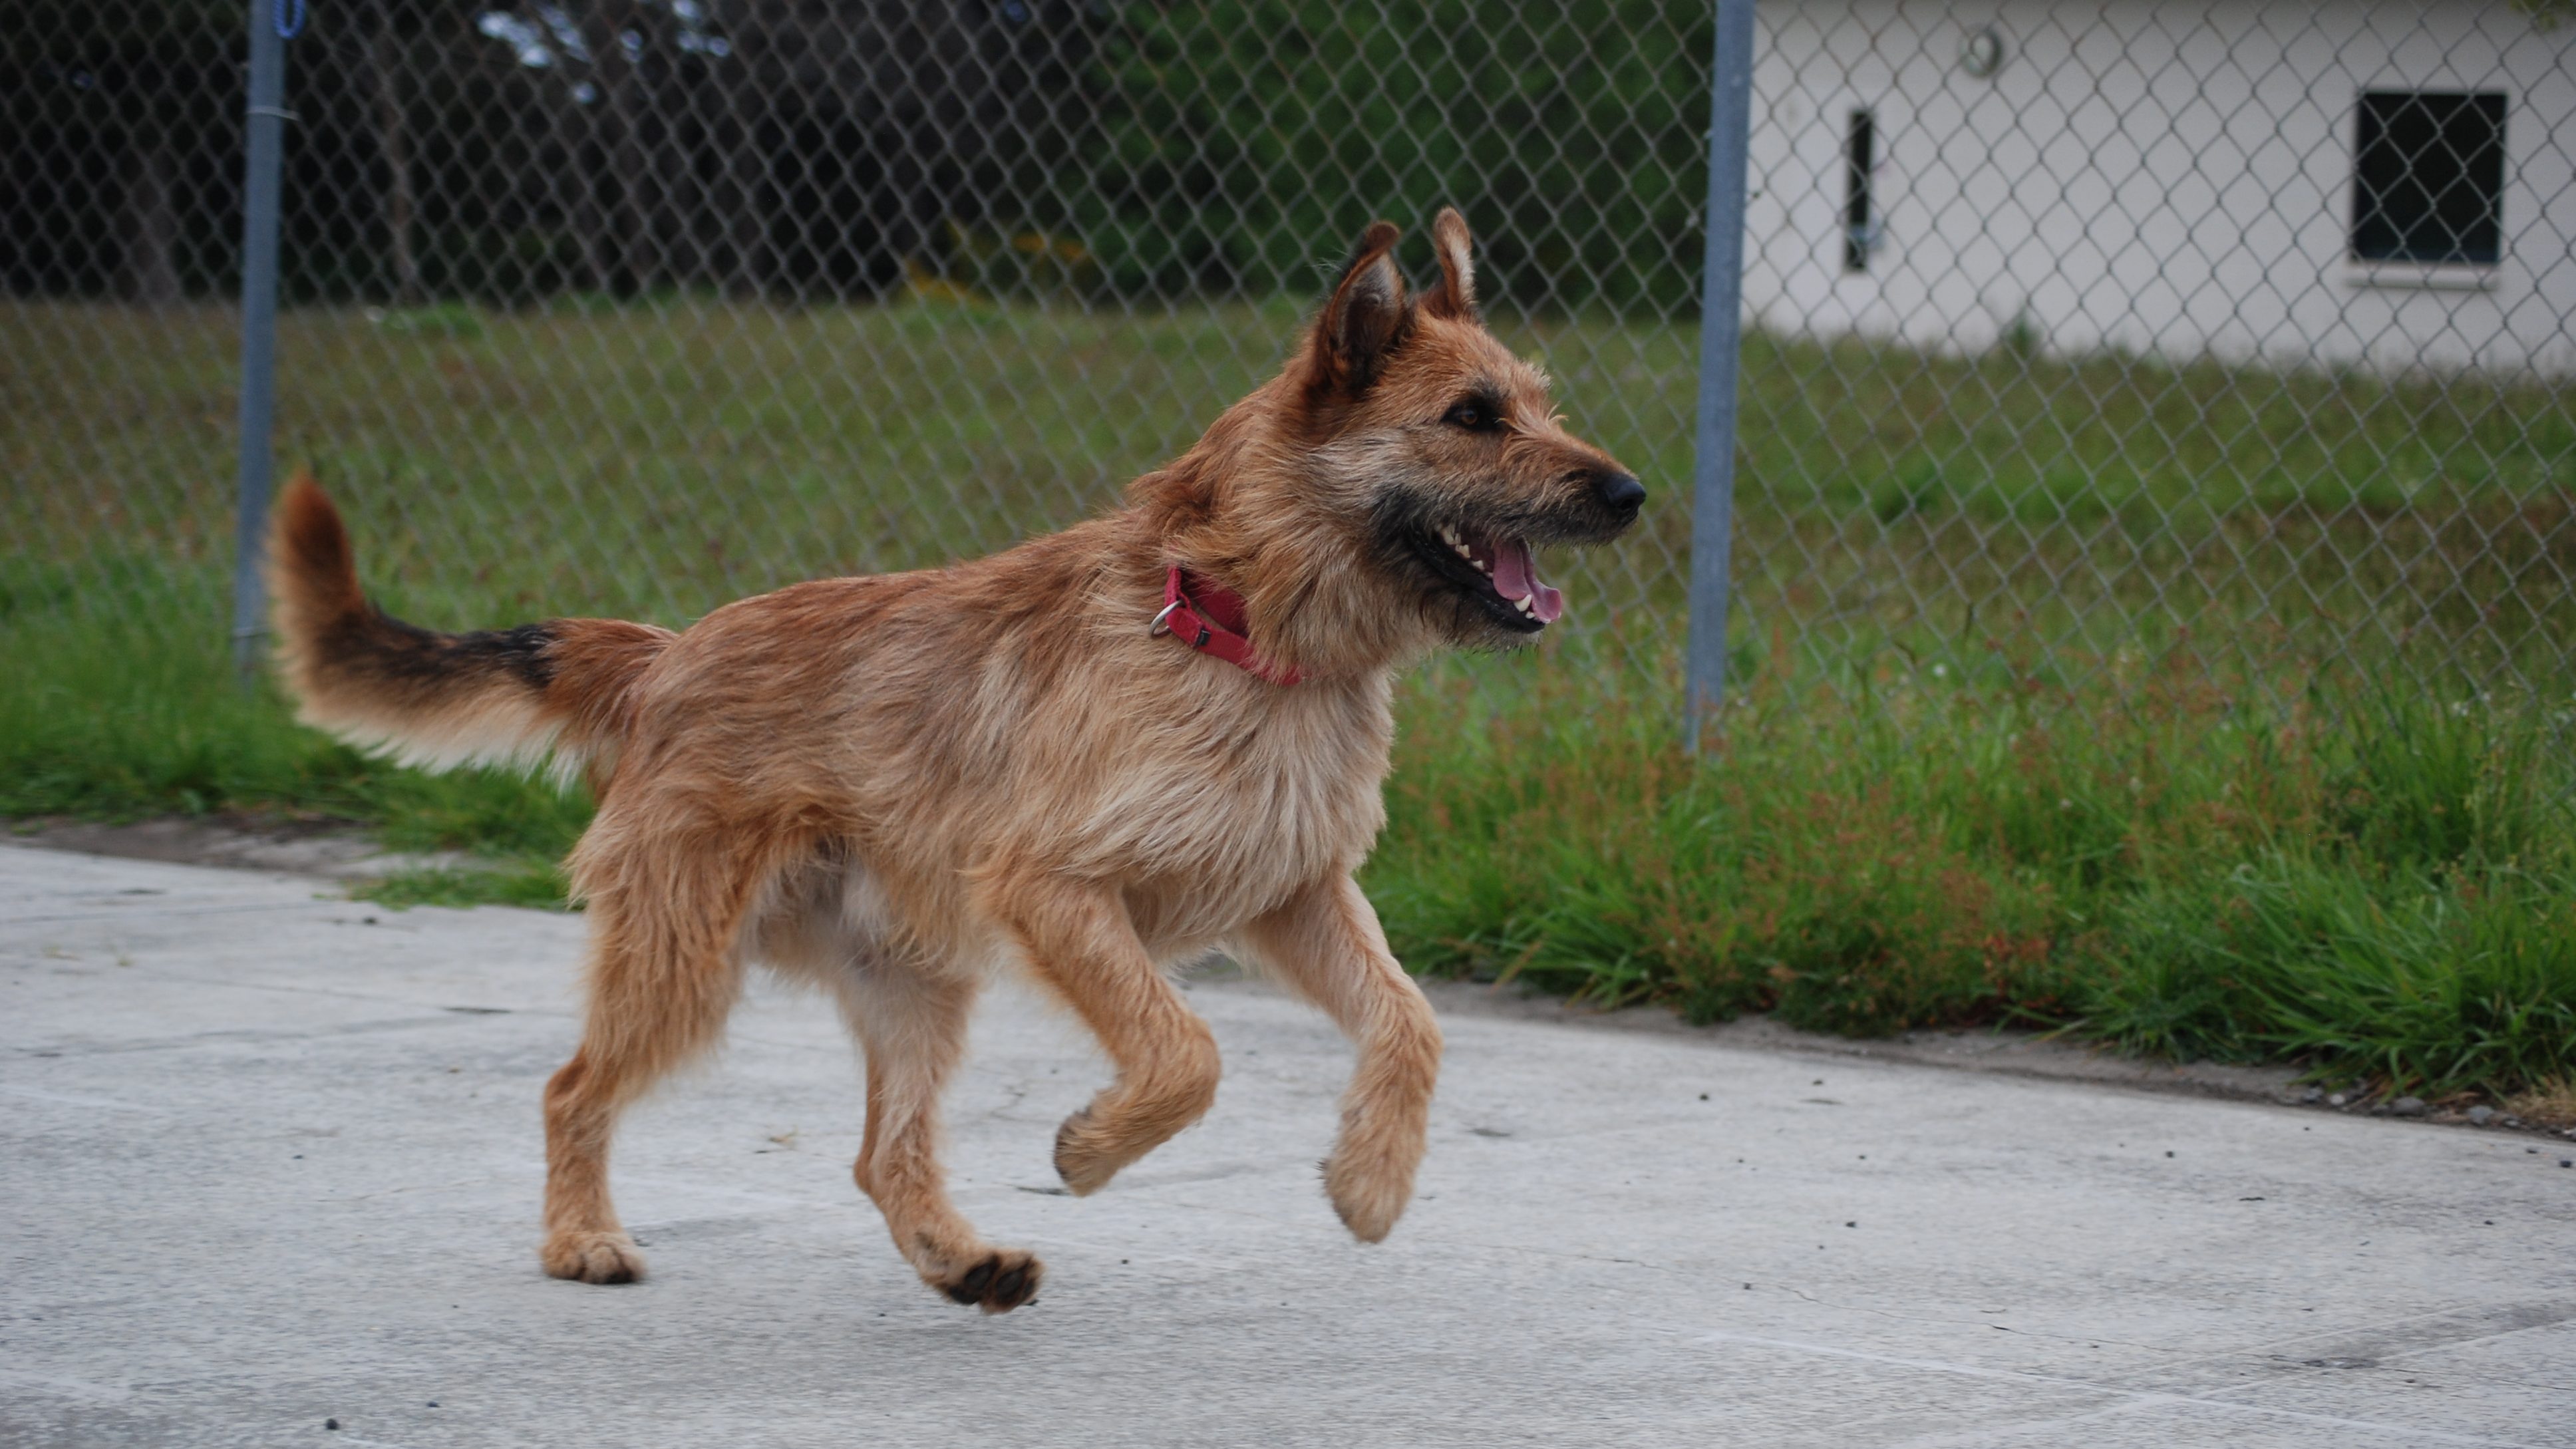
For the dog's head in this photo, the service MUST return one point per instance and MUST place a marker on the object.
(1391, 489)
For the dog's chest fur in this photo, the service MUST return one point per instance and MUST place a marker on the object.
(1199, 827)
(1203, 839)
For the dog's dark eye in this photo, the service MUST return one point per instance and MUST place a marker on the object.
(1475, 417)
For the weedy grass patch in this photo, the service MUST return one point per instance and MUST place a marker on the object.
(537, 884)
(2552, 1101)
(127, 712)
(2378, 885)
(2370, 880)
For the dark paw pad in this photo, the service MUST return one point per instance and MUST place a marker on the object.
(1012, 1287)
(970, 1289)
(1000, 1283)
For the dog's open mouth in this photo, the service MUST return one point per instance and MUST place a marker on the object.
(1497, 571)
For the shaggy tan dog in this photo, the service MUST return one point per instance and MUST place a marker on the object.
(1155, 735)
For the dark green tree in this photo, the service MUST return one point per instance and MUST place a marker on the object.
(1247, 140)
(109, 114)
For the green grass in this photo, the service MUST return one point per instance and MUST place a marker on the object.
(655, 459)
(2378, 884)
(538, 884)
(107, 717)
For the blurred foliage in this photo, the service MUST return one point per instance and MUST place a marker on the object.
(1245, 141)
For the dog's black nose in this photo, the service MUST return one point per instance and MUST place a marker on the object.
(1620, 493)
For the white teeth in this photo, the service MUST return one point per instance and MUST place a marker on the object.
(1449, 536)
(1521, 604)
(1463, 551)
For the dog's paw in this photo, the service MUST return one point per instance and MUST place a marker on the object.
(593, 1257)
(1370, 1190)
(998, 1282)
(1082, 1159)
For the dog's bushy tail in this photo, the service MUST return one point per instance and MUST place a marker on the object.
(557, 692)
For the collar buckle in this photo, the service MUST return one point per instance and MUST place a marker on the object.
(1183, 619)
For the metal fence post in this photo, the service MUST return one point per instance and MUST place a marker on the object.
(267, 117)
(1720, 334)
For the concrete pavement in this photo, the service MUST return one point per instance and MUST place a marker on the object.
(272, 1158)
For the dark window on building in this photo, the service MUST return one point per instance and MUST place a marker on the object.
(2428, 177)
(1860, 212)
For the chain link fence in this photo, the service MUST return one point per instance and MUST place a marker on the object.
(2074, 335)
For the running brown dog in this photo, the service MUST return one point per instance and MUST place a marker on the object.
(1156, 734)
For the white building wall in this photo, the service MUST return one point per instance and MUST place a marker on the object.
(2164, 179)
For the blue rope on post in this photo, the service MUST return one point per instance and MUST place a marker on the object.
(289, 29)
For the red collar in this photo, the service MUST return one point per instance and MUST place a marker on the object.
(1209, 617)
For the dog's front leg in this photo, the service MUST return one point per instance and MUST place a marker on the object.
(1326, 945)
(1078, 940)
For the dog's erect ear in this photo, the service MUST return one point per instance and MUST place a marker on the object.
(1365, 318)
(1455, 297)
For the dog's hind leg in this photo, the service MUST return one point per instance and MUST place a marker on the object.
(911, 1021)
(1326, 945)
(1081, 943)
(663, 976)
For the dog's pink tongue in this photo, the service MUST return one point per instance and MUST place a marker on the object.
(1547, 605)
(1516, 577)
